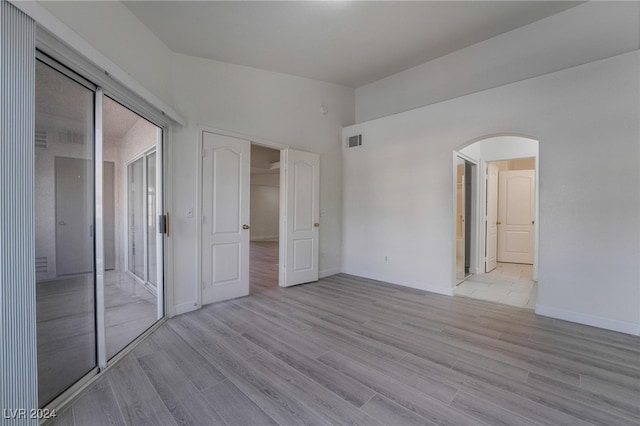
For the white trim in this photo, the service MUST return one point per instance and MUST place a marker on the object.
(183, 308)
(159, 210)
(53, 25)
(167, 204)
(329, 272)
(591, 320)
(446, 291)
(101, 340)
(480, 243)
(253, 139)
(198, 302)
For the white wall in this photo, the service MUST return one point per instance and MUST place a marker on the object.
(501, 148)
(265, 194)
(585, 33)
(119, 35)
(265, 210)
(398, 198)
(268, 105)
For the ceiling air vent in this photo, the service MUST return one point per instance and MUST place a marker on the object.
(41, 139)
(354, 141)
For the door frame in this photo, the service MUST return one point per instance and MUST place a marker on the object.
(145, 234)
(198, 214)
(475, 216)
(536, 203)
(481, 195)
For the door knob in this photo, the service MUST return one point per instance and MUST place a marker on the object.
(498, 223)
(62, 222)
(316, 225)
(245, 227)
(533, 221)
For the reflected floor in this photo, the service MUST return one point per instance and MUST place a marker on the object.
(66, 333)
(510, 284)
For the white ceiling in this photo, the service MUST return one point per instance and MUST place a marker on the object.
(61, 103)
(351, 43)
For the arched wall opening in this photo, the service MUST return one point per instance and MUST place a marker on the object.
(488, 230)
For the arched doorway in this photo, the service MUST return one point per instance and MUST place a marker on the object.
(495, 226)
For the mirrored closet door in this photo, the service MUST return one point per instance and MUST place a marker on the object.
(99, 253)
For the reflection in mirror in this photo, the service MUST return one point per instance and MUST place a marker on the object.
(64, 240)
(131, 297)
(460, 220)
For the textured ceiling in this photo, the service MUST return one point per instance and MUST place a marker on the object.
(351, 43)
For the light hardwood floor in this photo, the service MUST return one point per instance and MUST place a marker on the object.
(347, 350)
(263, 266)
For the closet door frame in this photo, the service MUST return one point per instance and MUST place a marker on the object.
(67, 68)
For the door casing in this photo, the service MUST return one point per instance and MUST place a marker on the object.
(482, 194)
(283, 188)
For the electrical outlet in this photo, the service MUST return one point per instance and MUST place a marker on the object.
(190, 213)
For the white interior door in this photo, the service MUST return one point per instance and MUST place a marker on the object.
(226, 166)
(300, 202)
(516, 216)
(491, 241)
(74, 215)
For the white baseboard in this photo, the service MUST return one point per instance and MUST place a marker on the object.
(447, 291)
(183, 308)
(328, 272)
(606, 323)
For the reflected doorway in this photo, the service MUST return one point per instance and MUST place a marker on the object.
(465, 214)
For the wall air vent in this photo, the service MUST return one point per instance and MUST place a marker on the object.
(354, 141)
(42, 265)
(41, 139)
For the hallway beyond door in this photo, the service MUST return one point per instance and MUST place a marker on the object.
(509, 284)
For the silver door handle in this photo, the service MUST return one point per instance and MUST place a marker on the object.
(63, 223)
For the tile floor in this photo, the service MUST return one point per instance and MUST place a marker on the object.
(510, 284)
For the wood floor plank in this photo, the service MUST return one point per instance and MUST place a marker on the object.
(181, 397)
(243, 321)
(604, 403)
(138, 399)
(327, 404)
(559, 402)
(350, 390)
(390, 413)
(234, 406)
(402, 394)
(489, 413)
(64, 418)
(281, 406)
(492, 393)
(194, 366)
(98, 406)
